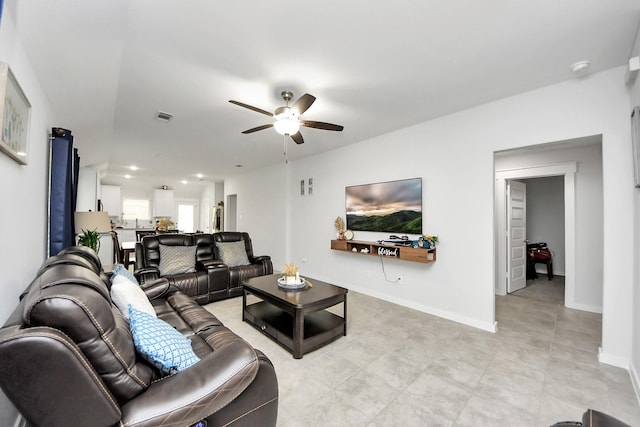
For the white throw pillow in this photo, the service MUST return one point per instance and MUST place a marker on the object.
(125, 292)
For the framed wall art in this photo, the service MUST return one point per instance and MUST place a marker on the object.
(15, 115)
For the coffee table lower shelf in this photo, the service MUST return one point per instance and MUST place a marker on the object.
(320, 327)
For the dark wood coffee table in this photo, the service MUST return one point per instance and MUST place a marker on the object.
(297, 320)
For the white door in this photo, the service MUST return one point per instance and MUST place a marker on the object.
(516, 235)
(187, 216)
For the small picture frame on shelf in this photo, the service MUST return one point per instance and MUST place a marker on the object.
(15, 116)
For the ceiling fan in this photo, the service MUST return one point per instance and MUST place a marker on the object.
(288, 119)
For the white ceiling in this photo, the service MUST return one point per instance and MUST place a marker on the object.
(108, 66)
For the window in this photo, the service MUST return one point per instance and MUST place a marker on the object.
(135, 209)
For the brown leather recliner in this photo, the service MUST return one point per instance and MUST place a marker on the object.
(68, 359)
(258, 265)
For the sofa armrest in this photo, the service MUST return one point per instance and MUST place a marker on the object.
(147, 273)
(197, 392)
(209, 264)
(155, 288)
(265, 260)
(36, 363)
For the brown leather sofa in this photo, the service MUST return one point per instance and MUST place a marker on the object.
(68, 358)
(212, 279)
(593, 418)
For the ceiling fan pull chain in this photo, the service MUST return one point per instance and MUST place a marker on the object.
(284, 139)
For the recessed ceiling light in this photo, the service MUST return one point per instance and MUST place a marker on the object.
(127, 176)
(580, 66)
(199, 175)
(133, 167)
(184, 181)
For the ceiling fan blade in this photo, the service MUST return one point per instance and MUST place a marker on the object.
(297, 138)
(251, 107)
(303, 103)
(257, 128)
(321, 125)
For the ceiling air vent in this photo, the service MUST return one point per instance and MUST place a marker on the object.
(163, 116)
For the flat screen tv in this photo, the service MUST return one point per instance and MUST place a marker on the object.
(387, 207)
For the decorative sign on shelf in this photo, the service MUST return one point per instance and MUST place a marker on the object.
(387, 251)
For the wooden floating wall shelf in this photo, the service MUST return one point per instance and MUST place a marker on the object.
(406, 253)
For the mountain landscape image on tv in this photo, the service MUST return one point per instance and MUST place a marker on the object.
(388, 207)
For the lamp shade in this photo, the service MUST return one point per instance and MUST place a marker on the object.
(98, 221)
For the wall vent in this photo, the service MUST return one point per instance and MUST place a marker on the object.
(164, 116)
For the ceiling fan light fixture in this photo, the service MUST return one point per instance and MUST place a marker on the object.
(287, 122)
(287, 126)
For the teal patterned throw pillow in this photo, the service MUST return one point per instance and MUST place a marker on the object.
(159, 344)
(120, 270)
(233, 253)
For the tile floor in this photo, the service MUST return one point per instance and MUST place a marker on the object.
(543, 289)
(401, 367)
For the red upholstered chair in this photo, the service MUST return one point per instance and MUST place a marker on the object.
(539, 253)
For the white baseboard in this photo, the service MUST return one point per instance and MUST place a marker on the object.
(635, 380)
(486, 326)
(610, 359)
(584, 307)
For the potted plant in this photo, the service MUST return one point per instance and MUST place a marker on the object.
(90, 238)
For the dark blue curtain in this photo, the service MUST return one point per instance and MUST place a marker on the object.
(63, 190)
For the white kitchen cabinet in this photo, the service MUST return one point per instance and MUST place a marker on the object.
(163, 204)
(87, 198)
(111, 199)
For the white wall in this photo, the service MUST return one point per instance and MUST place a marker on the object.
(454, 156)
(635, 362)
(24, 190)
(262, 210)
(24, 219)
(545, 218)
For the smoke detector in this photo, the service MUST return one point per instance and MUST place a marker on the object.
(163, 116)
(580, 67)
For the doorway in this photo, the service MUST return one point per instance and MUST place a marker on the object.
(544, 224)
(503, 178)
(232, 213)
(579, 163)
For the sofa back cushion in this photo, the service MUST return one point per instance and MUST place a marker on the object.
(76, 301)
(204, 244)
(148, 251)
